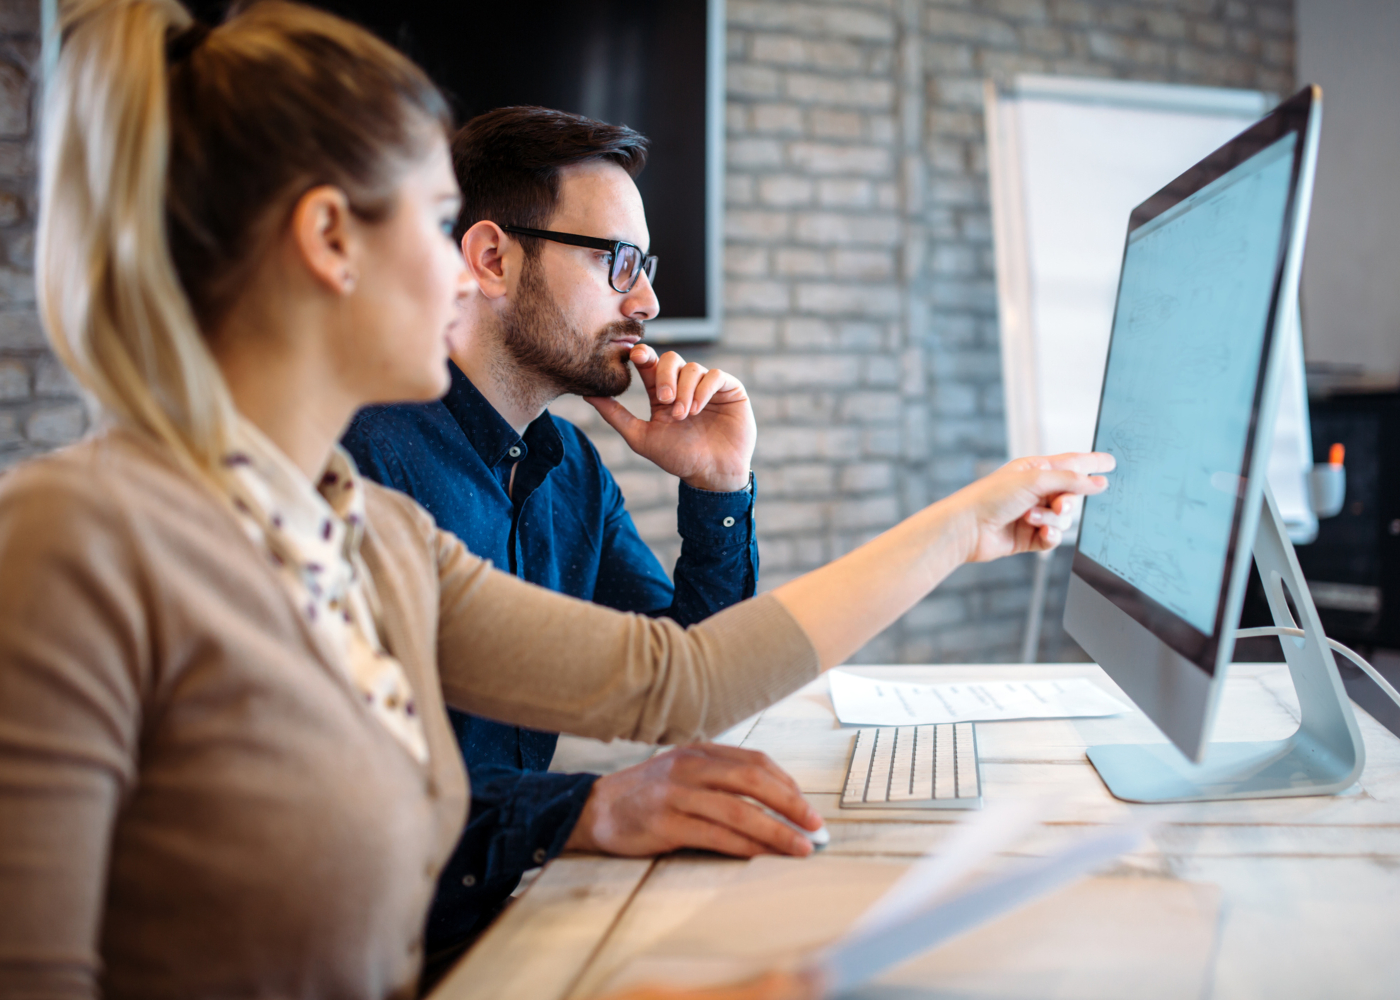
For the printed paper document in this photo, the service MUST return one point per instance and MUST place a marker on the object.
(868, 701)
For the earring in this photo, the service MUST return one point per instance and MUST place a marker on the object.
(347, 283)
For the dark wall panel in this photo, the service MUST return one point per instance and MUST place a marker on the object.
(640, 64)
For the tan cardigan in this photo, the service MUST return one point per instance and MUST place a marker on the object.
(194, 802)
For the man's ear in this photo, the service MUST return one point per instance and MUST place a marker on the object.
(322, 237)
(493, 258)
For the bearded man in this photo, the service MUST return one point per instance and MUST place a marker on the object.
(553, 230)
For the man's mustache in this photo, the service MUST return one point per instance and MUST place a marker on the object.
(623, 328)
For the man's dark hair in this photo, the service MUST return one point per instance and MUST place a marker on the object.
(508, 163)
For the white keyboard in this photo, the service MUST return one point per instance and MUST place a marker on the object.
(914, 767)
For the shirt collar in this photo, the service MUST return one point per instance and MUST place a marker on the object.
(488, 431)
(324, 519)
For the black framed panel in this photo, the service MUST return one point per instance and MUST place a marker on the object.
(650, 66)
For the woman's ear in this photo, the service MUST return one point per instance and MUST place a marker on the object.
(323, 238)
(492, 258)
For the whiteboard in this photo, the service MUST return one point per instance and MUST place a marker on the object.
(1068, 161)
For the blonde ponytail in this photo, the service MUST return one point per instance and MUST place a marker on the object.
(109, 295)
(162, 186)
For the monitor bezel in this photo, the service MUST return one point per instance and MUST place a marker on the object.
(1292, 116)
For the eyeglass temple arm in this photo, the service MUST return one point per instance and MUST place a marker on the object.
(592, 242)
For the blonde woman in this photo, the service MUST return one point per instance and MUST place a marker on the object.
(225, 767)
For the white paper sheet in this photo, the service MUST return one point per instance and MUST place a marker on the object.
(899, 926)
(867, 701)
(999, 826)
(751, 924)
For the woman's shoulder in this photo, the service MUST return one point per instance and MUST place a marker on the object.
(114, 483)
(109, 469)
(398, 524)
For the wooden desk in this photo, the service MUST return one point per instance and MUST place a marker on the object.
(1310, 886)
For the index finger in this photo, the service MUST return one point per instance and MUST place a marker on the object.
(1083, 461)
(754, 757)
(760, 784)
(1049, 482)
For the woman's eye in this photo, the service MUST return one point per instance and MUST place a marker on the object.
(446, 226)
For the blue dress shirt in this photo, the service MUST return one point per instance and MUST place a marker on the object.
(562, 525)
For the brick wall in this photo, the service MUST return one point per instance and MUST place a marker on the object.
(38, 405)
(861, 307)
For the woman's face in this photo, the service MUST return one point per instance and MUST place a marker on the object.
(404, 313)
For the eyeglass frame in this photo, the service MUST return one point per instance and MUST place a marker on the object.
(648, 265)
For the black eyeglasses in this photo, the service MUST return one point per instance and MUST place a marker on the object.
(628, 261)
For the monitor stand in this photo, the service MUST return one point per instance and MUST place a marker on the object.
(1323, 756)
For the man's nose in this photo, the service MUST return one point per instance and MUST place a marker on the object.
(641, 302)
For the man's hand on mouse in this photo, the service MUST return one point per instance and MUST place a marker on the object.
(692, 796)
(701, 428)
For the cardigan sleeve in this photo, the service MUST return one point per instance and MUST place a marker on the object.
(517, 653)
(72, 641)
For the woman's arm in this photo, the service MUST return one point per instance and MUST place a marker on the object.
(71, 639)
(520, 654)
(1021, 507)
(514, 652)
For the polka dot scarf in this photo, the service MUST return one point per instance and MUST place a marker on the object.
(312, 536)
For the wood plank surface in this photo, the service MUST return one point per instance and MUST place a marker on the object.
(538, 947)
(1309, 887)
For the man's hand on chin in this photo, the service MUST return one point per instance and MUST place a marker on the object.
(701, 427)
(692, 797)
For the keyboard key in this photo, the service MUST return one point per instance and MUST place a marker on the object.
(966, 744)
(914, 767)
(923, 762)
(878, 789)
(945, 762)
(859, 772)
(902, 771)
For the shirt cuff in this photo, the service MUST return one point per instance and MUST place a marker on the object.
(716, 519)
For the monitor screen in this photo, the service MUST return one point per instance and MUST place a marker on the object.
(1181, 385)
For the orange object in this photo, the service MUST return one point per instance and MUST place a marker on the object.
(1336, 453)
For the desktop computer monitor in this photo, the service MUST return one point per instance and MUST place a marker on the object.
(1210, 270)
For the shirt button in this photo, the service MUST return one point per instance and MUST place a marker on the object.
(728, 522)
(514, 451)
(469, 880)
(540, 855)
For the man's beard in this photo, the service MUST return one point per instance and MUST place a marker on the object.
(547, 348)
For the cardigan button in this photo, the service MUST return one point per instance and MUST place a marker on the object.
(514, 451)
(540, 855)
(728, 522)
(469, 880)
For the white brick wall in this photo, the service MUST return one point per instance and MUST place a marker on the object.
(861, 307)
(39, 407)
(860, 295)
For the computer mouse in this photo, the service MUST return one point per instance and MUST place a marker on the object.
(819, 838)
